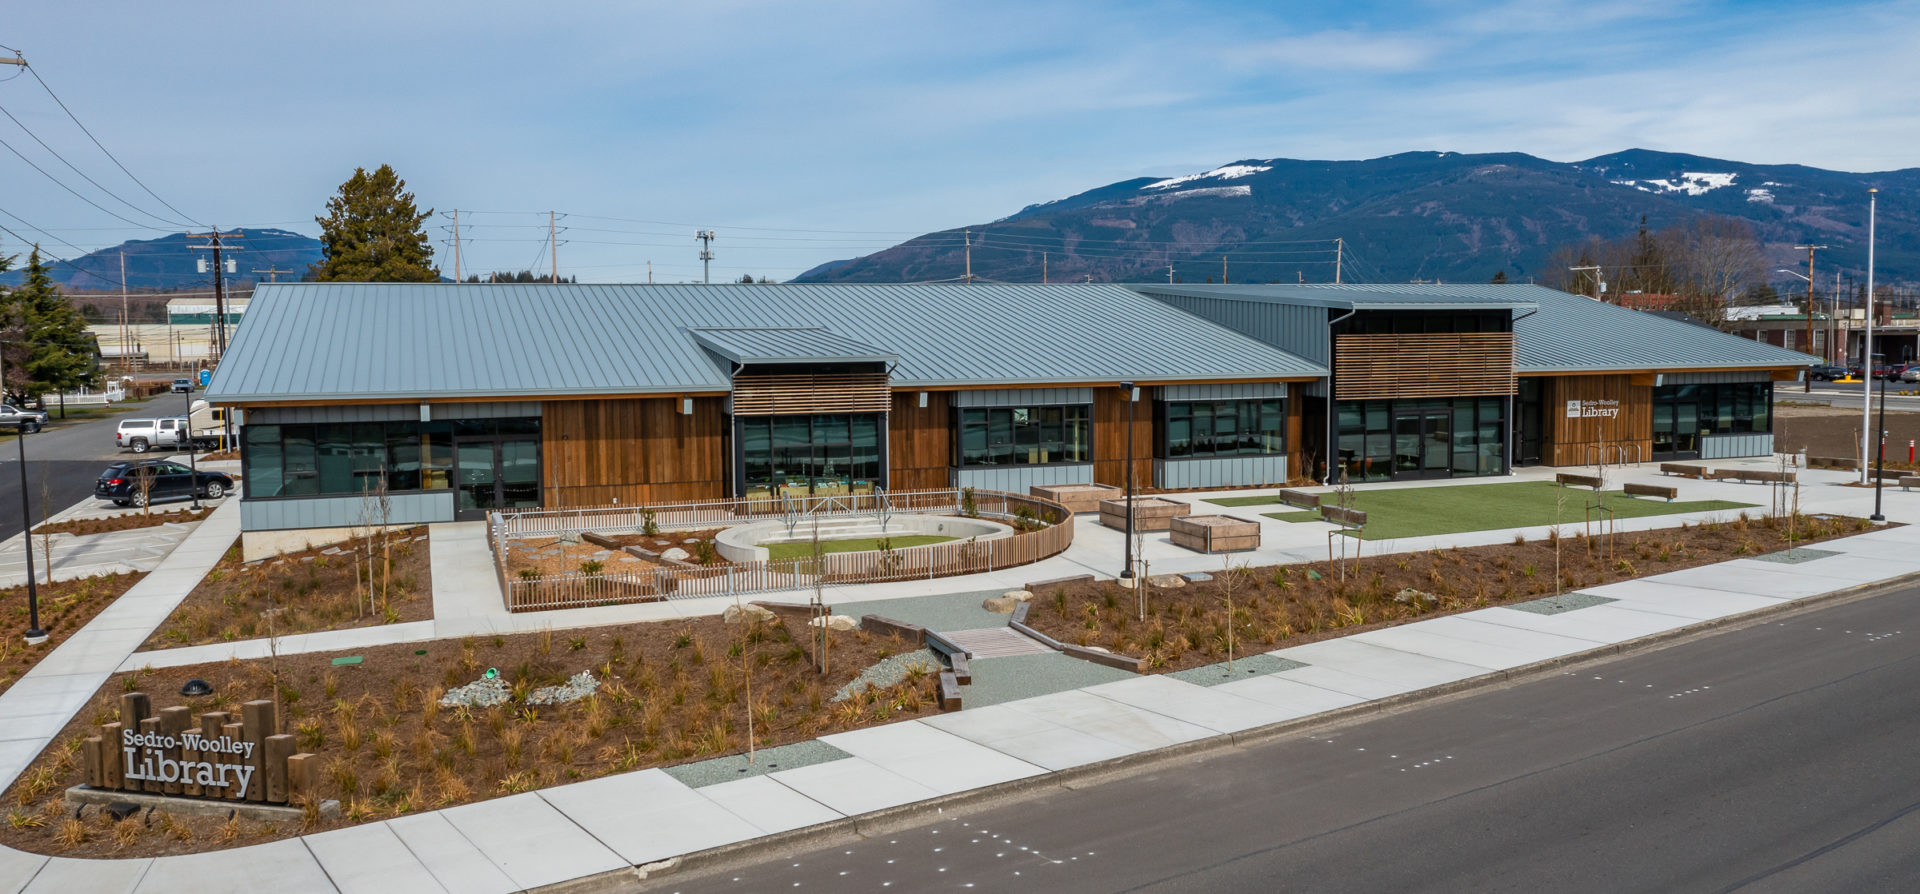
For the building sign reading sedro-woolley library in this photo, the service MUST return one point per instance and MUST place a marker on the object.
(1593, 409)
(213, 756)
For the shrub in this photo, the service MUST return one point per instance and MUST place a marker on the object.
(591, 566)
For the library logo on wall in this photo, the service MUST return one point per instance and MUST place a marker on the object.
(1593, 409)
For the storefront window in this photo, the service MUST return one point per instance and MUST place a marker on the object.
(349, 458)
(1222, 428)
(1682, 414)
(819, 455)
(1461, 437)
(1024, 436)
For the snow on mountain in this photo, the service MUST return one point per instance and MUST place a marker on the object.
(1764, 196)
(1693, 183)
(1226, 172)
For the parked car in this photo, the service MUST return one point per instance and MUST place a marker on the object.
(33, 419)
(164, 479)
(1911, 373)
(182, 386)
(1823, 373)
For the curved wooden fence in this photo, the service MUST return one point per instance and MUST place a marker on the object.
(1050, 532)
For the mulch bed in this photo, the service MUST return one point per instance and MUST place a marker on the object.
(83, 527)
(305, 592)
(552, 555)
(1289, 605)
(65, 606)
(671, 692)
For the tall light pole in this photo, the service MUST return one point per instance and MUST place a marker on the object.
(1866, 344)
(35, 636)
(1126, 572)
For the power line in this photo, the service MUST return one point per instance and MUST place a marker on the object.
(83, 175)
(96, 142)
(76, 194)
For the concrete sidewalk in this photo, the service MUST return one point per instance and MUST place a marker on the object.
(607, 826)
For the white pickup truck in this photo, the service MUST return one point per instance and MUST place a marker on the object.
(208, 427)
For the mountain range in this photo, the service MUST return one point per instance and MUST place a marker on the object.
(1413, 216)
(168, 262)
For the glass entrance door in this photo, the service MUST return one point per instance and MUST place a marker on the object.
(1422, 443)
(495, 473)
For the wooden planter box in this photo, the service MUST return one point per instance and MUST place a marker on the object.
(1214, 533)
(1149, 513)
(1077, 498)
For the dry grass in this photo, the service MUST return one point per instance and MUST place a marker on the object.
(671, 692)
(65, 606)
(124, 522)
(306, 592)
(1277, 606)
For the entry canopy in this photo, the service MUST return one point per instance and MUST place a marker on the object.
(782, 345)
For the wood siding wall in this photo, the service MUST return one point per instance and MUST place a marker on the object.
(633, 451)
(801, 393)
(919, 441)
(1454, 364)
(1568, 441)
(1109, 438)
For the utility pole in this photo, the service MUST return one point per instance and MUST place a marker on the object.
(969, 276)
(456, 241)
(1223, 270)
(271, 272)
(1810, 250)
(649, 271)
(220, 270)
(1599, 286)
(126, 358)
(1169, 274)
(1339, 255)
(706, 255)
(1043, 268)
(553, 242)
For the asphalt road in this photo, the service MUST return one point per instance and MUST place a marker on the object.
(1778, 757)
(1847, 394)
(64, 459)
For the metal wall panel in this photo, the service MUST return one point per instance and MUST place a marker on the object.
(1295, 328)
(1229, 471)
(1735, 446)
(1249, 391)
(342, 512)
(1022, 397)
(1016, 479)
(390, 412)
(501, 410)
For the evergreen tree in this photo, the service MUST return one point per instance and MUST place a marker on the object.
(1499, 278)
(373, 233)
(49, 349)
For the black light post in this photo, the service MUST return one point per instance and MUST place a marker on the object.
(193, 487)
(35, 636)
(1880, 465)
(1126, 573)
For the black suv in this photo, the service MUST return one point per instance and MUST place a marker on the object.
(1826, 373)
(163, 479)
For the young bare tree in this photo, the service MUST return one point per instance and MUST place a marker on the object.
(143, 481)
(1229, 580)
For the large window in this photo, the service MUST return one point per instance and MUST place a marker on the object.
(1684, 413)
(822, 454)
(1202, 429)
(1023, 436)
(348, 458)
(1459, 437)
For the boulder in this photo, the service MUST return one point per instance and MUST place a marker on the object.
(675, 554)
(733, 614)
(1017, 595)
(1000, 605)
(1412, 595)
(836, 622)
(1169, 581)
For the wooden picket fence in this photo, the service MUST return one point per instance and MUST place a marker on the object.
(578, 590)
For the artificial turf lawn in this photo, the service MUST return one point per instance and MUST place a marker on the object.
(1419, 511)
(804, 548)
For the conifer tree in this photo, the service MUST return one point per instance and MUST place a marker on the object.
(373, 233)
(49, 349)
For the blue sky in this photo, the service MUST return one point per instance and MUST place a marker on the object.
(804, 132)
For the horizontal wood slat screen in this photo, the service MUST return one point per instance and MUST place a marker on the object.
(780, 395)
(1439, 364)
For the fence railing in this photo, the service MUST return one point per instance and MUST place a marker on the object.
(1050, 532)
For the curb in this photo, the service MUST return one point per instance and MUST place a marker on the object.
(921, 812)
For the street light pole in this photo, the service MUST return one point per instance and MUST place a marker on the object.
(1126, 572)
(1880, 467)
(35, 636)
(1866, 342)
(193, 485)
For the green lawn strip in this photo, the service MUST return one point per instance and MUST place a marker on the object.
(1304, 515)
(802, 549)
(1256, 500)
(1422, 511)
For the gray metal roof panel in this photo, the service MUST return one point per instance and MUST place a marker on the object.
(772, 344)
(1349, 295)
(410, 341)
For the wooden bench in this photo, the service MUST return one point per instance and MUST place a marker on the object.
(1908, 481)
(1565, 478)
(949, 692)
(1344, 517)
(1683, 470)
(1636, 489)
(1299, 499)
(1760, 475)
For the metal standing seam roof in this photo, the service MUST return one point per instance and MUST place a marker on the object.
(1554, 331)
(1348, 295)
(788, 345)
(416, 341)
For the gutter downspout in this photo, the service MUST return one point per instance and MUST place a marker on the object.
(1513, 430)
(1333, 414)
